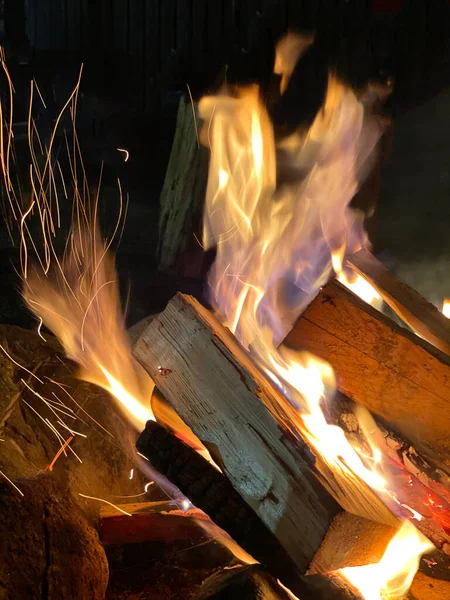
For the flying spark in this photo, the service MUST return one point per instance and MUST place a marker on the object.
(106, 502)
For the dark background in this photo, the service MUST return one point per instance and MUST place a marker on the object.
(139, 56)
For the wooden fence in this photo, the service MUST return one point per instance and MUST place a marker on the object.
(157, 46)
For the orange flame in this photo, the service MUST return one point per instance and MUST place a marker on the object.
(278, 241)
(77, 297)
(362, 288)
(393, 575)
(353, 281)
(79, 302)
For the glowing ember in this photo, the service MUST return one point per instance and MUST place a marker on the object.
(391, 578)
(126, 153)
(446, 308)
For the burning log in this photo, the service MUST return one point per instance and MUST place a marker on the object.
(422, 316)
(382, 366)
(184, 188)
(216, 389)
(210, 490)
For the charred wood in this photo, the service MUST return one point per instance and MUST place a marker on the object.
(210, 491)
(251, 582)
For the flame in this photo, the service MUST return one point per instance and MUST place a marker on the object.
(311, 376)
(275, 243)
(446, 308)
(392, 577)
(287, 52)
(279, 218)
(362, 288)
(78, 299)
(353, 281)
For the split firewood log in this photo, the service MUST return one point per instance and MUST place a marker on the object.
(210, 491)
(225, 399)
(382, 366)
(422, 316)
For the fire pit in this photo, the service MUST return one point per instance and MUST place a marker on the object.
(293, 428)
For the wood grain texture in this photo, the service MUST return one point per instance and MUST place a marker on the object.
(355, 541)
(422, 316)
(225, 399)
(351, 541)
(382, 366)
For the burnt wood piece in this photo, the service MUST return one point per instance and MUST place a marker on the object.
(210, 491)
(250, 429)
(422, 316)
(31, 371)
(382, 366)
(419, 486)
(251, 582)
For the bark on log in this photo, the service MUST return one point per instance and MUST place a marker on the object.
(210, 491)
(184, 189)
(230, 405)
(381, 366)
(422, 316)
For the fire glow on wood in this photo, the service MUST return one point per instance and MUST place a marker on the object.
(276, 245)
(446, 308)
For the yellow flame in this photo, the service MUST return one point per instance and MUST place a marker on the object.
(392, 577)
(287, 52)
(446, 308)
(75, 296)
(362, 288)
(280, 227)
(353, 281)
(309, 375)
(79, 301)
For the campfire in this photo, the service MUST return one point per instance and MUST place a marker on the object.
(293, 422)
